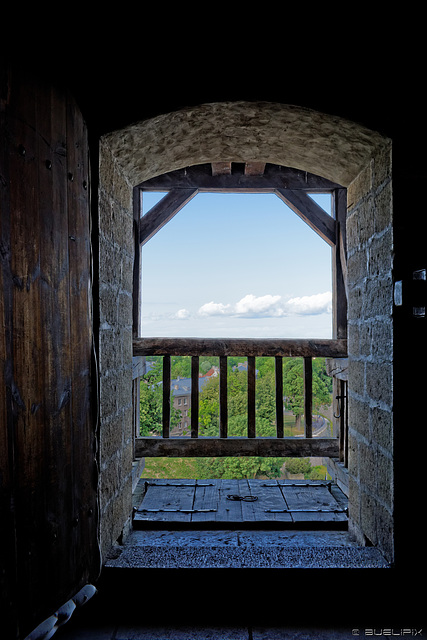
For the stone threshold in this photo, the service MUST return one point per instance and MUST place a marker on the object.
(240, 549)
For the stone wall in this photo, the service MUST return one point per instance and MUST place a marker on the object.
(370, 334)
(115, 349)
(344, 152)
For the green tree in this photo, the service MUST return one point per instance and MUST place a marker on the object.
(265, 398)
(180, 367)
(151, 402)
(209, 407)
(298, 465)
(293, 383)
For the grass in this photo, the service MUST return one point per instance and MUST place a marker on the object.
(170, 468)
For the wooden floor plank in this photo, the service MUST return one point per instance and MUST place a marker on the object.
(270, 502)
(164, 499)
(206, 497)
(311, 496)
(228, 510)
(204, 503)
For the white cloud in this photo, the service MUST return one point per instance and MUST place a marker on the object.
(252, 305)
(270, 306)
(182, 314)
(214, 309)
(311, 305)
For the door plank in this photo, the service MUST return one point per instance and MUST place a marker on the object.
(313, 496)
(159, 496)
(206, 497)
(269, 497)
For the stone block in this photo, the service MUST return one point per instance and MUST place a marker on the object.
(384, 208)
(360, 186)
(382, 165)
(357, 266)
(356, 376)
(382, 427)
(378, 297)
(360, 415)
(380, 253)
(379, 377)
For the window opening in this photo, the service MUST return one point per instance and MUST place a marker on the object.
(231, 265)
(212, 263)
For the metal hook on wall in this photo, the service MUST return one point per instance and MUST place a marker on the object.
(340, 398)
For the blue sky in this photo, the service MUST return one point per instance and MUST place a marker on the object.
(236, 265)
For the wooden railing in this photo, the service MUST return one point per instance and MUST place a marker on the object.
(199, 446)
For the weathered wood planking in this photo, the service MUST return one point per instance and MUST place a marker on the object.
(308, 397)
(238, 180)
(312, 214)
(279, 396)
(251, 397)
(162, 212)
(194, 396)
(276, 502)
(223, 398)
(159, 496)
(46, 350)
(312, 497)
(240, 347)
(264, 447)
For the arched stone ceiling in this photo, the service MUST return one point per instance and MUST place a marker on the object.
(282, 134)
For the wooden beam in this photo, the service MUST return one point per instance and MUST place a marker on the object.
(279, 396)
(254, 168)
(221, 168)
(308, 397)
(274, 177)
(195, 397)
(220, 447)
(240, 347)
(166, 407)
(223, 398)
(251, 397)
(310, 212)
(339, 266)
(163, 211)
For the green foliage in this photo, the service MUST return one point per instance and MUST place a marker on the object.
(293, 371)
(151, 401)
(319, 472)
(293, 376)
(239, 467)
(298, 465)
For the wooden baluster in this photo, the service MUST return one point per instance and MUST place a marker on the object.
(251, 397)
(223, 398)
(279, 396)
(308, 397)
(166, 395)
(195, 396)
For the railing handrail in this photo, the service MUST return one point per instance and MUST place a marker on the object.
(258, 347)
(245, 348)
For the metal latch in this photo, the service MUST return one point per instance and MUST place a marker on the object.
(244, 498)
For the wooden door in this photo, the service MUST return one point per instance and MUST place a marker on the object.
(47, 436)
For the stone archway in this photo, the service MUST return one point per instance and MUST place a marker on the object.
(323, 144)
(286, 135)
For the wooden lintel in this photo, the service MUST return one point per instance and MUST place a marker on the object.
(311, 213)
(162, 212)
(254, 168)
(240, 347)
(273, 177)
(221, 168)
(220, 447)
